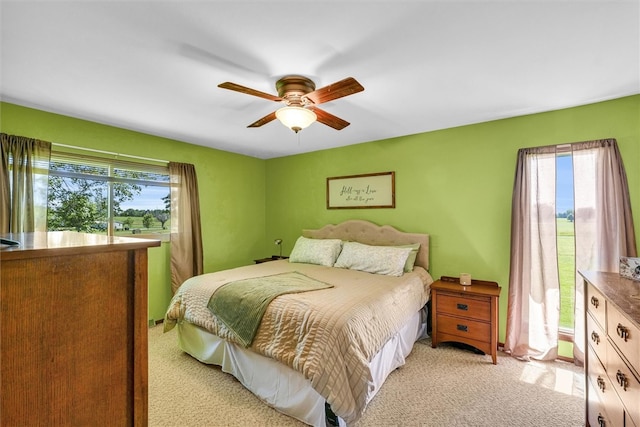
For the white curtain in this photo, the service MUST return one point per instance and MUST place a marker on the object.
(534, 291)
(603, 232)
(604, 228)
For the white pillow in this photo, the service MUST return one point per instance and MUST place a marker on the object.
(387, 260)
(316, 251)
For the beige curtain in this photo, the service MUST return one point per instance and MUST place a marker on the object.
(186, 235)
(603, 232)
(604, 228)
(24, 177)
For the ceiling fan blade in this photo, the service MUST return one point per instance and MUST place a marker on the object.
(330, 120)
(263, 121)
(345, 87)
(249, 91)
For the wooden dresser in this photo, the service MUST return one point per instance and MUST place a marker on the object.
(612, 355)
(73, 330)
(465, 314)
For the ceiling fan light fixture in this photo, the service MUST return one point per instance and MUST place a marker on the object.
(296, 118)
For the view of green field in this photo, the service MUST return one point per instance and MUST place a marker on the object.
(156, 226)
(566, 270)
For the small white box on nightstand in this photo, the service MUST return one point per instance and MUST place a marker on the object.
(465, 279)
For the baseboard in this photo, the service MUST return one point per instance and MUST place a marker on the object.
(562, 358)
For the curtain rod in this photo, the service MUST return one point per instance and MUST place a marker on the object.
(570, 145)
(109, 153)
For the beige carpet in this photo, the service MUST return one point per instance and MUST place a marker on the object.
(445, 386)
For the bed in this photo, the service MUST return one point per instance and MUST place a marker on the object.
(319, 354)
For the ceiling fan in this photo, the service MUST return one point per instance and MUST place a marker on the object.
(301, 98)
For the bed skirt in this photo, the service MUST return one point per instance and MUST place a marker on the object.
(283, 388)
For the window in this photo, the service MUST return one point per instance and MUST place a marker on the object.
(565, 237)
(107, 196)
(602, 228)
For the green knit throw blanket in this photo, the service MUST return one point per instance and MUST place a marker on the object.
(240, 305)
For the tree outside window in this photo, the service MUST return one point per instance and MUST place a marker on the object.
(94, 195)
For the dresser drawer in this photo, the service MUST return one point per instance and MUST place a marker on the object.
(597, 338)
(625, 335)
(596, 305)
(624, 382)
(467, 328)
(465, 306)
(604, 389)
(598, 416)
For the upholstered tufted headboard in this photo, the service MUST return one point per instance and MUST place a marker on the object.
(357, 230)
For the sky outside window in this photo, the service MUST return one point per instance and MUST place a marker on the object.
(564, 183)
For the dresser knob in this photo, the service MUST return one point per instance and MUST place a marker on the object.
(601, 421)
(595, 337)
(595, 302)
(623, 332)
(622, 380)
(601, 384)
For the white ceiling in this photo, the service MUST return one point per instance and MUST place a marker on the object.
(154, 66)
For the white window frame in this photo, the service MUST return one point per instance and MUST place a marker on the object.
(111, 164)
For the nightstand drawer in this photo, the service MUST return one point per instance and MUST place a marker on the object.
(480, 331)
(465, 306)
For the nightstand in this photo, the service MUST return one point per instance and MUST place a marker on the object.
(271, 258)
(465, 314)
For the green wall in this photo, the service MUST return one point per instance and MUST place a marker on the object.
(455, 184)
(231, 186)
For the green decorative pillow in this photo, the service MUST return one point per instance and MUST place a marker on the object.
(387, 260)
(411, 259)
(316, 251)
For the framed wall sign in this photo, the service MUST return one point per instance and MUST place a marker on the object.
(374, 190)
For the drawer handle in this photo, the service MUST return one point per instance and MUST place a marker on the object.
(463, 328)
(595, 302)
(622, 380)
(601, 421)
(623, 332)
(464, 307)
(595, 337)
(601, 384)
